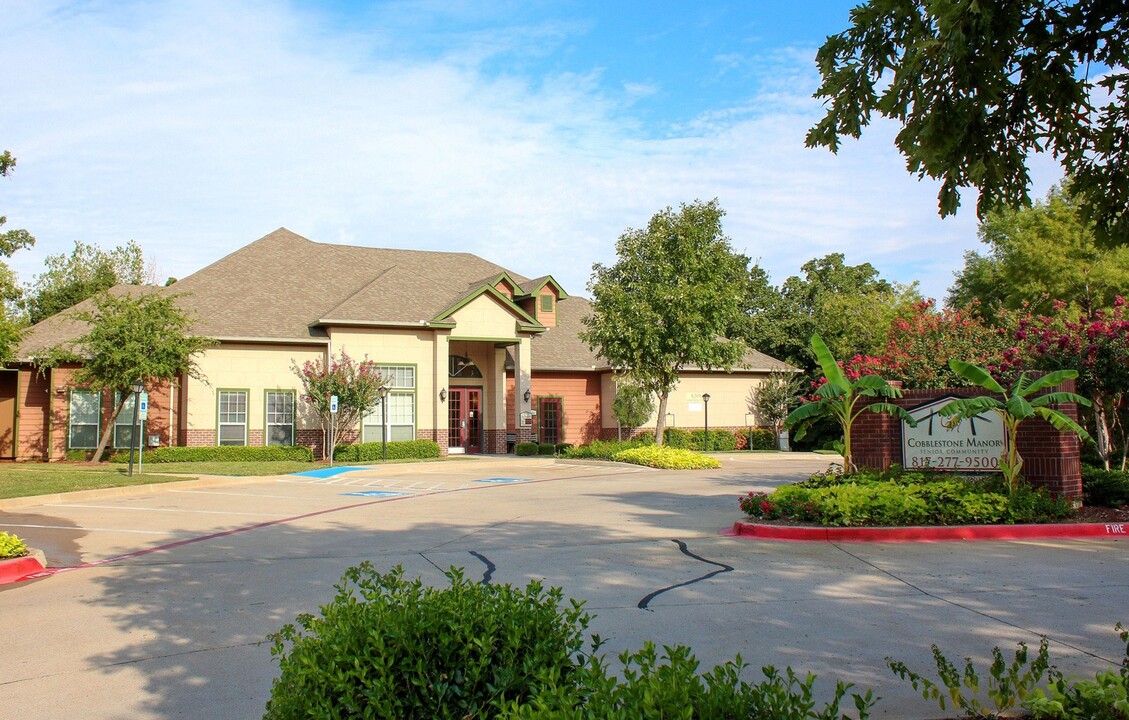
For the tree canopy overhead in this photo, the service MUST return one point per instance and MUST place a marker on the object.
(11, 327)
(667, 303)
(979, 86)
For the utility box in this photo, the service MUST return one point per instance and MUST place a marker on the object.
(154, 441)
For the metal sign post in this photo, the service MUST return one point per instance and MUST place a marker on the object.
(332, 417)
(142, 416)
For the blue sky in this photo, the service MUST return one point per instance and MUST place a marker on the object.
(530, 133)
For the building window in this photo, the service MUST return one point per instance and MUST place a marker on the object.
(84, 419)
(400, 412)
(123, 425)
(280, 417)
(547, 303)
(233, 417)
(551, 420)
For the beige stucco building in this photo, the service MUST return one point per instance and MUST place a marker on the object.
(477, 358)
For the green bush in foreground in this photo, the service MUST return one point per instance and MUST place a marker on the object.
(897, 498)
(387, 647)
(240, 453)
(526, 449)
(1020, 683)
(396, 450)
(667, 458)
(11, 546)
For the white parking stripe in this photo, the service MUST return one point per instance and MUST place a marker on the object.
(169, 510)
(89, 529)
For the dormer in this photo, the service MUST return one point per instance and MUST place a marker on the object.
(539, 298)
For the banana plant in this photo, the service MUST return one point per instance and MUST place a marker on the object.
(843, 400)
(1014, 406)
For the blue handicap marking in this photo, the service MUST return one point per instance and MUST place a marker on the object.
(503, 480)
(374, 493)
(327, 472)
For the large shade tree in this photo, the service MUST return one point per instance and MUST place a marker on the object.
(978, 87)
(143, 336)
(669, 299)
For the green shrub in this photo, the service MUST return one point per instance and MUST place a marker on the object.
(526, 448)
(396, 450)
(667, 458)
(677, 438)
(644, 437)
(603, 449)
(762, 439)
(11, 546)
(546, 449)
(85, 455)
(386, 647)
(563, 448)
(670, 687)
(900, 498)
(720, 440)
(1105, 488)
(1076, 698)
(227, 453)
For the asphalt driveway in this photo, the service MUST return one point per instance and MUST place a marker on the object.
(166, 595)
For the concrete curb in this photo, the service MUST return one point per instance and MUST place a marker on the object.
(15, 569)
(1108, 531)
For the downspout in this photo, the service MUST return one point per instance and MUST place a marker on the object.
(50, 414)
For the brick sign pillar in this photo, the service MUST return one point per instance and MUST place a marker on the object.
(1051, 459)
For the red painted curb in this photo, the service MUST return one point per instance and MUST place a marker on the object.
(16, 569)
(929, 534)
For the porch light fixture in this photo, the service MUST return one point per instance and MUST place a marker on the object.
(443, 395)
(527, 395)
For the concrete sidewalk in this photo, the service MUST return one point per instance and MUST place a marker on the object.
(178, 632)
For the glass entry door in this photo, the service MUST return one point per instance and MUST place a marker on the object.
(464, 407)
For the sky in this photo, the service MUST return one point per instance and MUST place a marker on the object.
(530, 133)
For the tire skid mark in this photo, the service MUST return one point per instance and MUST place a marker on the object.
(646, 601)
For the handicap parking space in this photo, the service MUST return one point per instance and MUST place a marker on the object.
(178, 631)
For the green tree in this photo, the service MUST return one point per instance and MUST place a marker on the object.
(1041, 254)
(1016, 405)
(773, 398)
(11, 327)
(144, 337)
(632, 406)
(979, 86)
(356, 384)
(666, 304)
(70, 279)
(850, 305)
(839, 399)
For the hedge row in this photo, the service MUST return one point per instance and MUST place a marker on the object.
(1105, 488)
(227, 453)
(529, 449)
(395, 450)
(667, 458)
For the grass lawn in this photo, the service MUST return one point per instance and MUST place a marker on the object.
(27, 479)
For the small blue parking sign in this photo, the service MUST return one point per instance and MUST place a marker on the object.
(143, 406)
(333, 403)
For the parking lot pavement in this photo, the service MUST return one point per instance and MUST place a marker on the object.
(178, 632)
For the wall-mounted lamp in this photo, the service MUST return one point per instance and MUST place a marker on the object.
(443, 395)
(527, 395)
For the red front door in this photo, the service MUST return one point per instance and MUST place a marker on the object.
(465, 419)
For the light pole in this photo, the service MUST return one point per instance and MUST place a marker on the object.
(383, 423)
(136, 387)
(706, 400)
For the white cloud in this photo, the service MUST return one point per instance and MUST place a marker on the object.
(196, 127)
